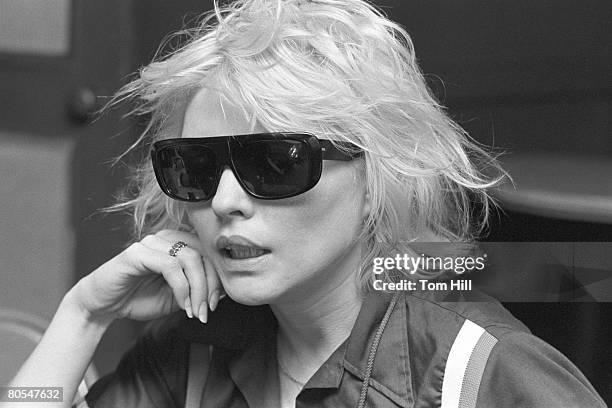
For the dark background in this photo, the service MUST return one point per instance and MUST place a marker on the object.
(522, 76)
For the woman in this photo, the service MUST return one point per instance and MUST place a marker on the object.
(295, 142)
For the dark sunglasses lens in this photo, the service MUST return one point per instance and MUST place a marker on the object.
(273, 168)
(188, 172)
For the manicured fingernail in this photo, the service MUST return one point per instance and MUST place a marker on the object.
(188, 307)
(203, 312)
(213, 301)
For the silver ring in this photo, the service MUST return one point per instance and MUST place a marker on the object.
(176, 247)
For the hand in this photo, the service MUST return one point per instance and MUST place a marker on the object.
(144, 282)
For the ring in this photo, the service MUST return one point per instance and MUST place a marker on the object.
(176, 247)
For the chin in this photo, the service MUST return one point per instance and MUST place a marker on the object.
(250, 294)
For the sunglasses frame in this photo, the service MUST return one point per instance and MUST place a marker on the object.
(319, 150)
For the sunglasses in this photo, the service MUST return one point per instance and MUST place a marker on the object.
(268, 166)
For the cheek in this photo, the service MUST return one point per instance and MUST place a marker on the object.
(341, 196)
(328, 217)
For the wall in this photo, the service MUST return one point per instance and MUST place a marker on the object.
(36, 248)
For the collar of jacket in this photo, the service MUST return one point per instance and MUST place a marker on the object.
(251, 332)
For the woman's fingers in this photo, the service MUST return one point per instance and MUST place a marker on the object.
(194, 270)
(212, 289)
(193, 267)
(214, 285)
(142, 258)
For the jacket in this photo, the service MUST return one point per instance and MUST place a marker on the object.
(411, 349)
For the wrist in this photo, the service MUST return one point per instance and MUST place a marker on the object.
(72, 304)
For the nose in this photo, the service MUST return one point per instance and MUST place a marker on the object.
(231, 200)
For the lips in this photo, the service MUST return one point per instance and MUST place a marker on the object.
(238, 247)
(242, 252)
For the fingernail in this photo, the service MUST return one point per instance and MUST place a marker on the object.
(203, 312)
(213, 301)
(188, 307)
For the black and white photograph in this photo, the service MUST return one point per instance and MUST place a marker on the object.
(305, 203)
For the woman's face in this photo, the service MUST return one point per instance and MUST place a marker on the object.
(309, 240)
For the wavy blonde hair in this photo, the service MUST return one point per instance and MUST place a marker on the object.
(338, 69)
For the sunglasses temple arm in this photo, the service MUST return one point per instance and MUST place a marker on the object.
(331, 152)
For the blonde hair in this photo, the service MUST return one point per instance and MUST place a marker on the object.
(338, 69)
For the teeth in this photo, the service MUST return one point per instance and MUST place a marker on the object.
(241, 252)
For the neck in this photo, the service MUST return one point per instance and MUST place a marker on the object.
(311, 327)
(322, 325)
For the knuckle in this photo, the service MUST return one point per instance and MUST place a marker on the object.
(131, 253)
(148, 239)
(134, 248)
(171, 264)
(190, 254)
(165, 233)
